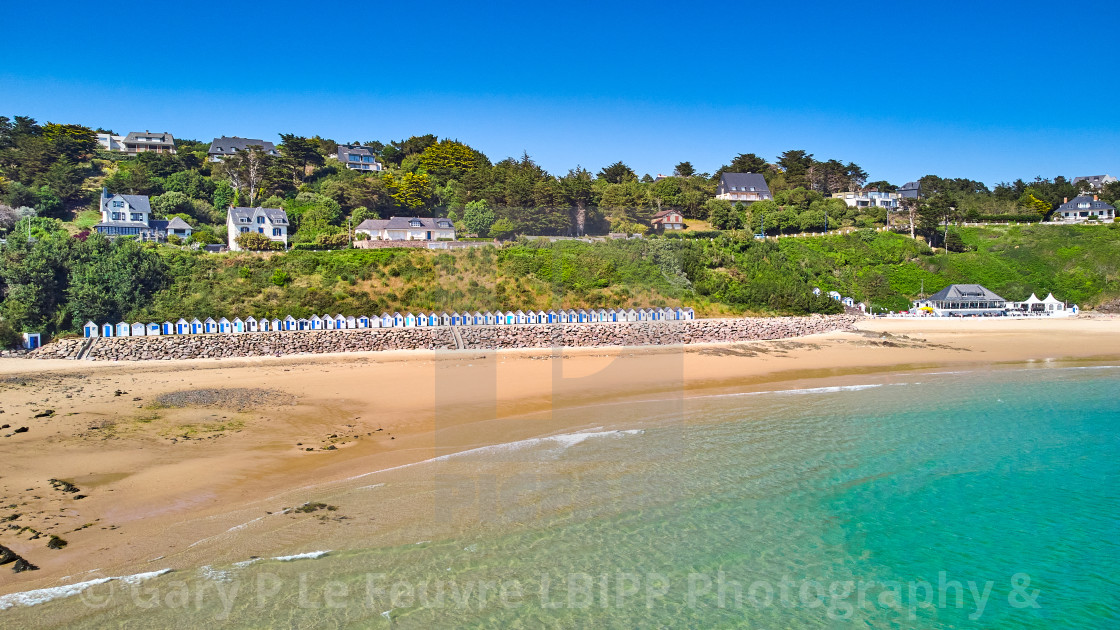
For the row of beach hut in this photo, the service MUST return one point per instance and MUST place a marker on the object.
(396, 320)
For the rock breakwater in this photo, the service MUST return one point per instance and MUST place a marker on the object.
(234, 345)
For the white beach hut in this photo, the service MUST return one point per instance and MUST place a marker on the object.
(351, 321)
(108, 330)
(210, 326)
(689, 313)
(303, 324)
(197, 327)
(238, 325)
(290, 323)
(409, 320)
(277, 325)
(152, 329)
(251, 324)
(167, 328)
(363, 322)
(89, 330)
(316, 322)
(224, 325)
(329, 323)
(137, 329)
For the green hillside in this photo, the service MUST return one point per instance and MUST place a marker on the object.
(57, 282)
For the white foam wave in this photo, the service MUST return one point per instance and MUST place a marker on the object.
(43, 595)
(302, 556)
(566, 440)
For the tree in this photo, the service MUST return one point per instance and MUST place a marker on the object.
(478, 217)
(301, 155)
(253, 242)
(71, 143)
(410, 191)
(796, 164)
(1029, 201)
(684, 169)
(723, 216)
(617, 173)
(170, 203)
(744, 163)
(224, 196)
(247, 169)
(576, 187)
(503, 229)
(449, 159)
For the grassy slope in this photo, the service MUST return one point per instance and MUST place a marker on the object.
(1078, 264)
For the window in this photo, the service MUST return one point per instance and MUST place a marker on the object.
(260, 220)
(352, 157)
(260, 230)
(244, 219)
(367, 158)
(415, 223)
(118, 204)
(244, 230)
(136, 216)
(116, 216)
(276, 231)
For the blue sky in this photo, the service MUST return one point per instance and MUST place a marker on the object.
(986, 90)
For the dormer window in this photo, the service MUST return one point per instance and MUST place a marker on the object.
(244, 219)
(415, 223)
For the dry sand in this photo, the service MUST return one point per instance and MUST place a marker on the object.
(154, 447)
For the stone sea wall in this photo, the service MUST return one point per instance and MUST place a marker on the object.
(660, 333)
(231, 345)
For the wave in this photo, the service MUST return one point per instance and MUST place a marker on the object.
(43, 595)
(302, 556)
(566, 440)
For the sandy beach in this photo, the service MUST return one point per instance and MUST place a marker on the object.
(162, 457)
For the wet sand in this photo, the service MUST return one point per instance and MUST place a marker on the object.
(168, 454)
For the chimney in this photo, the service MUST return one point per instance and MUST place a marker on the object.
(1065, 199)
(1096, 197)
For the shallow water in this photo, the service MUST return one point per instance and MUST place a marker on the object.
(945, 500)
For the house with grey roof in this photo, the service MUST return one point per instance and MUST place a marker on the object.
(408, 229)
(1096, 182)
(145, 141)
(358, 158)
(1084, 208)
(225, 146)
(910, 190)
(963, 300)
(131, 215)
(269, 222)
(745, 188)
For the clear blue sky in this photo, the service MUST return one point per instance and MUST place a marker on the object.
(986, 90)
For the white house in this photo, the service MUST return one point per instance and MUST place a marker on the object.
(745, 188)
(1084, 208)
(358, 158)
(407, 229)
(131, 215)
(869, 199)
(269, 222)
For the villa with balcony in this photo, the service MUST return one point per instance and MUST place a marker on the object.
(745, 188)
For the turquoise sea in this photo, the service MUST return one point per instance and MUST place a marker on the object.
(985, 499)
